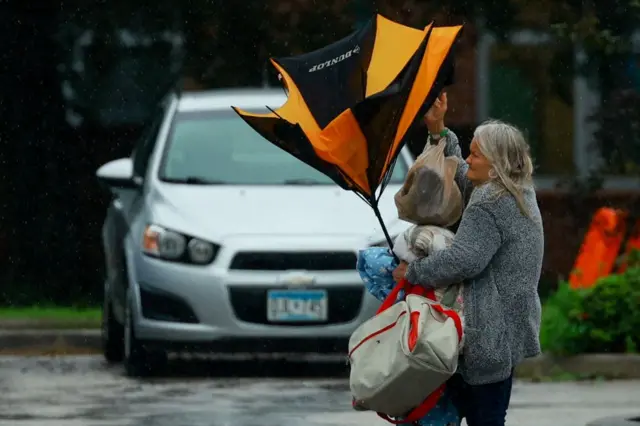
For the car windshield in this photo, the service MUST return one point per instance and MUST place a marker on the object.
(220, 148)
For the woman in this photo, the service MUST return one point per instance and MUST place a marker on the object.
(497, 252)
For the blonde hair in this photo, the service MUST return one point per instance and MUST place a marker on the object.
(505, 147)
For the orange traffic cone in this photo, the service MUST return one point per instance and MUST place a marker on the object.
(600, 248)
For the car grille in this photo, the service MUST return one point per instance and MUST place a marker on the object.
(283, 261)
(250, 305)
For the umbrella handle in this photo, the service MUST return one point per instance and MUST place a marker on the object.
(374, 206)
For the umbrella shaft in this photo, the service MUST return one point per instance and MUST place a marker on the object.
(384, 230)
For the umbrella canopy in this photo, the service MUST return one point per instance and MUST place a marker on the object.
(351, 104)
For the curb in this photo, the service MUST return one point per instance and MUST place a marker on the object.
(615, 421)
(588, 366)
(36, 341)
(543, 367)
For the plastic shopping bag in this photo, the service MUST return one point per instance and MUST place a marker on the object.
(430, 195)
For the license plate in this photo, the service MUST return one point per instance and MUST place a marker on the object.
(297, 305)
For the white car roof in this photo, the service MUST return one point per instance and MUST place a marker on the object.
(224, 99)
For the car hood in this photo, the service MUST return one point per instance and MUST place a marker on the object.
(220, 211)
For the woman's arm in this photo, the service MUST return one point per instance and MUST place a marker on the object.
(477, 240)
(434, 119)
(452, 149)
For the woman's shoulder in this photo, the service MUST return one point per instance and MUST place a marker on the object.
(486, 194)
(495, 198)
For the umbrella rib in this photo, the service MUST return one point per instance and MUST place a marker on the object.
(362, 197)
(276, 114)
(387, 177)
(363, 79)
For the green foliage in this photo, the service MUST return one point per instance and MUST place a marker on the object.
(601, 26)
(604, 318)
(633, 260)
(613, 314)
(562, 331)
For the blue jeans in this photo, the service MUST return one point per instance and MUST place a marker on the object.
(481, 405)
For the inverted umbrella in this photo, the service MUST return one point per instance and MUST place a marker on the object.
(351, 104)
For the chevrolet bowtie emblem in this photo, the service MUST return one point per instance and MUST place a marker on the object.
(297, 279)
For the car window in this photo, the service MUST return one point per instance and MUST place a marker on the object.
(221, 147)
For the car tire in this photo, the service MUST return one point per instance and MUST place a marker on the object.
(112, 335)
(138, 360)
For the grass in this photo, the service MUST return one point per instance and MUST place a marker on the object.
(51, 317)
(36, 312)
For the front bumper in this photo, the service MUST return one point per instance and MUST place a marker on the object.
(183, 307)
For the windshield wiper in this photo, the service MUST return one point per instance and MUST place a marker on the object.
(301, 181)
(195, 180)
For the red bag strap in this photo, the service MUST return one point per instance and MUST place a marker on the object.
(408, 289)
(453, 315)
(421, 410)
(418, 289)
(391, 298)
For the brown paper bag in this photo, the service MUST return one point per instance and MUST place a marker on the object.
(430, 195)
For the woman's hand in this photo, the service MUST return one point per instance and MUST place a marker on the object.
(400, 271)
(434, 118)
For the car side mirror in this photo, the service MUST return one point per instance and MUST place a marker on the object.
(118, 174)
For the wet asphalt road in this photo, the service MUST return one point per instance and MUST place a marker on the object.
(83, 391)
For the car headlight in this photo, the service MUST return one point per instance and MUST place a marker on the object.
(174, 246)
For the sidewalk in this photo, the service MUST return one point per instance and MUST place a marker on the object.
(43, 337)
(43, 342)
(47, 324)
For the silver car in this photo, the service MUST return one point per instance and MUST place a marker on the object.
(218, 241)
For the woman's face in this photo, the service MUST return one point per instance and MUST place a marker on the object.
(479, 166)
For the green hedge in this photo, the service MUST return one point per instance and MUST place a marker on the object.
(602, 319)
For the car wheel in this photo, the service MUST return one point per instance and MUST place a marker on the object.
(138, 360)
(112, 334)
